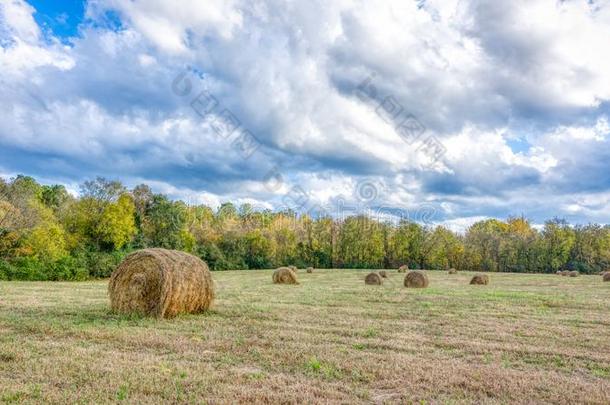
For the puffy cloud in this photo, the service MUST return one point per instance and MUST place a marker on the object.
(22, 48)
(170, 26)
(515, 94)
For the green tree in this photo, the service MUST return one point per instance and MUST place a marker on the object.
(361, 243)
(483, 244)
(558, 238)
(445, 250)
(591, 250)
(164, 223)
(54, 196)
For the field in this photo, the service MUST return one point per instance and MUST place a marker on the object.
(523, 338)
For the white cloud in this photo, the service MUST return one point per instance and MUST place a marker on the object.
(22, 46)
(169, 24)
(477, 81)
(460, 225)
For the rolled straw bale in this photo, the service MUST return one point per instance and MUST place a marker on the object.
(161, 283)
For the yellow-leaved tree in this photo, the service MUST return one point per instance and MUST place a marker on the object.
(47, 240)
(117, 225)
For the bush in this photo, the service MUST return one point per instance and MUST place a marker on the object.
(6, 270)
(218, 260)
(68, 268)
(29, 269)
(101, 264)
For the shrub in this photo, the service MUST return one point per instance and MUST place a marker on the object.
(6, 270)
(29, 269)
(101, 264)
(68, 268)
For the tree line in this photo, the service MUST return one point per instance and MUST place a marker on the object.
(48, 234)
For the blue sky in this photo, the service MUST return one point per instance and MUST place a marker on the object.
(396, 106)
(62, 18)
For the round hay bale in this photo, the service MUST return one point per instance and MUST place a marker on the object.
(373, 279)
(383, 273)
(416, 279)
(573, 274)
(403, 269)
(161, 283)
(558, 273)
(480, 279)
(565, 273)
(452, 271)
(284, 275)
(607, 276)
(310, 270)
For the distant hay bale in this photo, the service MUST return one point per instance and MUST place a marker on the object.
(558, 273)
(607, 276)
(452, 271)
(573, 274)
(383, 273)
(161, 283)
(373, 278)
(480, 279)
(565, 273)
(284, 275)
(416, 279)
(310, 270)
(403, 269)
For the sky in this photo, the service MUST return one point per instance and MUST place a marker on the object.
(442, 111)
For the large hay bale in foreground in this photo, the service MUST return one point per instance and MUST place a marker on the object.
(373, 278)
(416, 279)
(573, 274)
(284, 275)
(607, 276)
(403, 269)
(452, 271)
(383, 273)
(161, 283)
(310, 270)
(480, 279)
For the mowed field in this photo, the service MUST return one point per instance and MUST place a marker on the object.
(523, 338)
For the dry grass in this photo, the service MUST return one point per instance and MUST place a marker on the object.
(536, 338)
